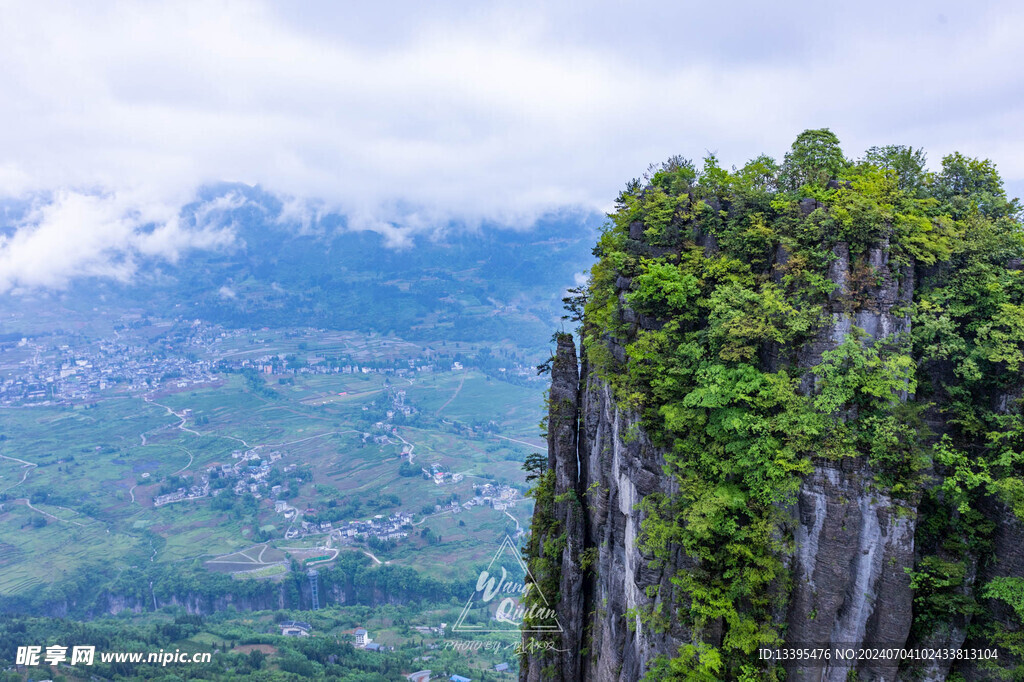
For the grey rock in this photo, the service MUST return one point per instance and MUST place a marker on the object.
(849, 584)
(808, 205)
(852, 542)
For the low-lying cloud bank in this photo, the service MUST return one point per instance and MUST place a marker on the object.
(74, 234)
(408, 117)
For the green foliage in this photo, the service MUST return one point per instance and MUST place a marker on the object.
(1009, 590)
(865, 383)
(814, 159)
(663, 290)
(969, 186)
(535, 465)
(939, 590)
(543, 551)
(323, 656)
(588, 558)
(90, 589)
(906, 162)
(1009, 636)
(741, 320)
(1001, 339)
(729, 284)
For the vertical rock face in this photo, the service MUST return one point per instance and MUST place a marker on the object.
(850, 588)
(563, 441)
(797, 422)
(618, 466)
(852, 543)
(566, 527)
(623, 467)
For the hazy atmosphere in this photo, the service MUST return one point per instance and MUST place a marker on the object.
(407, 117)
(493, 341)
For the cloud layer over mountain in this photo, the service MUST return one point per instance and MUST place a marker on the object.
(72, 234)
(404, 116)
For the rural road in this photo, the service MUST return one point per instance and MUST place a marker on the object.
(190, 459)
(411, 446)
(170, 411)
(55, 518)
(461, 381)
(518, 527)
(28, 466)
(532, 445)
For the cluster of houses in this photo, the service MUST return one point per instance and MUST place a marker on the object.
(439, 475)
(52, 374)
(498, 497)
(250, 469)
(181, 494)
(427, 675)
(44, 373)
(393, 527)
(398, 404)
(361, 639)
(431, 630)
(380, 438)
(277, 364)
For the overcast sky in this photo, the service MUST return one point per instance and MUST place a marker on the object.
(417, 113)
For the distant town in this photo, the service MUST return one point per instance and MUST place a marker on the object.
(252, 473)
(263, 475)
(40, 371)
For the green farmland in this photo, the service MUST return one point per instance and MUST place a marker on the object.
(80, 483)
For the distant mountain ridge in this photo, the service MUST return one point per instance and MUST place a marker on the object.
(452, 282)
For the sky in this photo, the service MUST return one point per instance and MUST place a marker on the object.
(407, 115)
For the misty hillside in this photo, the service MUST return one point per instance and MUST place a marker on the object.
(486, 283)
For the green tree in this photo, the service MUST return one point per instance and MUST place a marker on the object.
(907, 163)
(814, 159)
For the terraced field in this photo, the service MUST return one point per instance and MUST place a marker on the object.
(81, 481)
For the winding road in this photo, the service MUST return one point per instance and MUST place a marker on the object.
(190, 460)
(532, 445)
(411, 446)
(182, 417)
(179, 425)
(44, 513)
(518, 527)
(28, 466)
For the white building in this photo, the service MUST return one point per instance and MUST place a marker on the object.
(362, 637)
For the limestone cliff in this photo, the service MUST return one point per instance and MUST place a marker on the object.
(895, 522)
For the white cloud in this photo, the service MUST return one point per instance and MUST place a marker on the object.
(405, 116)
(73, 234)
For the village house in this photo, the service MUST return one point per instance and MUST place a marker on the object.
(362, 637)
(295, 628)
